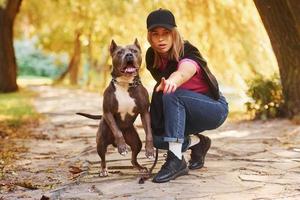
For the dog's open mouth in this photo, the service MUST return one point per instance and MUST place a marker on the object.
(129, 68)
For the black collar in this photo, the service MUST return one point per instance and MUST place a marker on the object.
(135, 83)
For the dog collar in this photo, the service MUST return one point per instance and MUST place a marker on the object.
(135, 83)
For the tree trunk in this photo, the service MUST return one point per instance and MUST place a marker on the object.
(90, 59)
(281, 19)
(8, 65)
(73, 67)
(76, 61)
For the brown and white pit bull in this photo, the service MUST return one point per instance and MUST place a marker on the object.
(123, 100)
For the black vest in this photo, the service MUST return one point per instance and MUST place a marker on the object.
(190, 52)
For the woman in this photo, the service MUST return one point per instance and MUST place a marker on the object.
(186, 99)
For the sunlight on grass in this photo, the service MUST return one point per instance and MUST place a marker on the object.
(33, 80)
(16, 107)
(17, 116)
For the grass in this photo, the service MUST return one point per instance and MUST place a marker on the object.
(16, 108)
(33, 80)
(17, 116)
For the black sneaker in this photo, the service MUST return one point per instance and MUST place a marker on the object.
(199, 152)
(171, 169)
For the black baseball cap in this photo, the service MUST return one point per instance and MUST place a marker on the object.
(161, 17)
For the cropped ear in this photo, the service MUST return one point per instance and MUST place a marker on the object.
(113, 46)
(137, 44)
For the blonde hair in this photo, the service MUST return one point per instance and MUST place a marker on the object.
(176, 50)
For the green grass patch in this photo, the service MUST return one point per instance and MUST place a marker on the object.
(17, 117)
(16, 108)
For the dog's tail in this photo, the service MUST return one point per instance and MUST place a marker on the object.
(90, 116)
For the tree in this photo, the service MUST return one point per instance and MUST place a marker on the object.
(78, 32)
(73, 67)
(282, 22)
(228, 33)
(8, 66)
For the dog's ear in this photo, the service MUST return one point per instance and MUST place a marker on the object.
(112, 47)
(137, 44)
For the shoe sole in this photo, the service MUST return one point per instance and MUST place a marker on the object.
(181, 173)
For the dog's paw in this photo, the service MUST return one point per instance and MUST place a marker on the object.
(150, 157)
(122, 149)
(121, 144)
(149, 154)
(103, 173)
(124, 153)
(149, 151)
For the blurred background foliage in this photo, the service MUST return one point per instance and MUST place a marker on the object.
(267, 98)
(229, 34)
(33, 61)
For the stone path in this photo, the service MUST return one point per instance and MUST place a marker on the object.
(247, 160)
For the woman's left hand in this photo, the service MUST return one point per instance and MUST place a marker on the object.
(167, 86)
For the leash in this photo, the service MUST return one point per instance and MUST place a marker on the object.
(146, 176)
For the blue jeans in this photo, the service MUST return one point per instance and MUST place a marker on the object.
(186, 112)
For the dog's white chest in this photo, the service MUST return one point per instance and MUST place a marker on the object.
(126, 103)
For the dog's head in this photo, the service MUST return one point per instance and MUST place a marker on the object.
(126, 60)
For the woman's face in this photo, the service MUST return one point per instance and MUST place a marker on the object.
(161, 40)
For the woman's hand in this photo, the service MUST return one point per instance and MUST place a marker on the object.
(184, 72)
(167, 86)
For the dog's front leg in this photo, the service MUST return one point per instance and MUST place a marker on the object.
(145, 117)
(119, 139)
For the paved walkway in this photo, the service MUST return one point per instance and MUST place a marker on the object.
(248, 160)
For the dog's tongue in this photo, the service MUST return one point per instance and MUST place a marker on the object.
(130, 69)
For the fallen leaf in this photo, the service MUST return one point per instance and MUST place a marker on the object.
(27, 184)
(75, 170)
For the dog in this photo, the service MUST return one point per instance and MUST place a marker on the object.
(123, 100)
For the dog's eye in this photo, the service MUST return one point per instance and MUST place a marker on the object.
(120, 52)
(133, 51)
